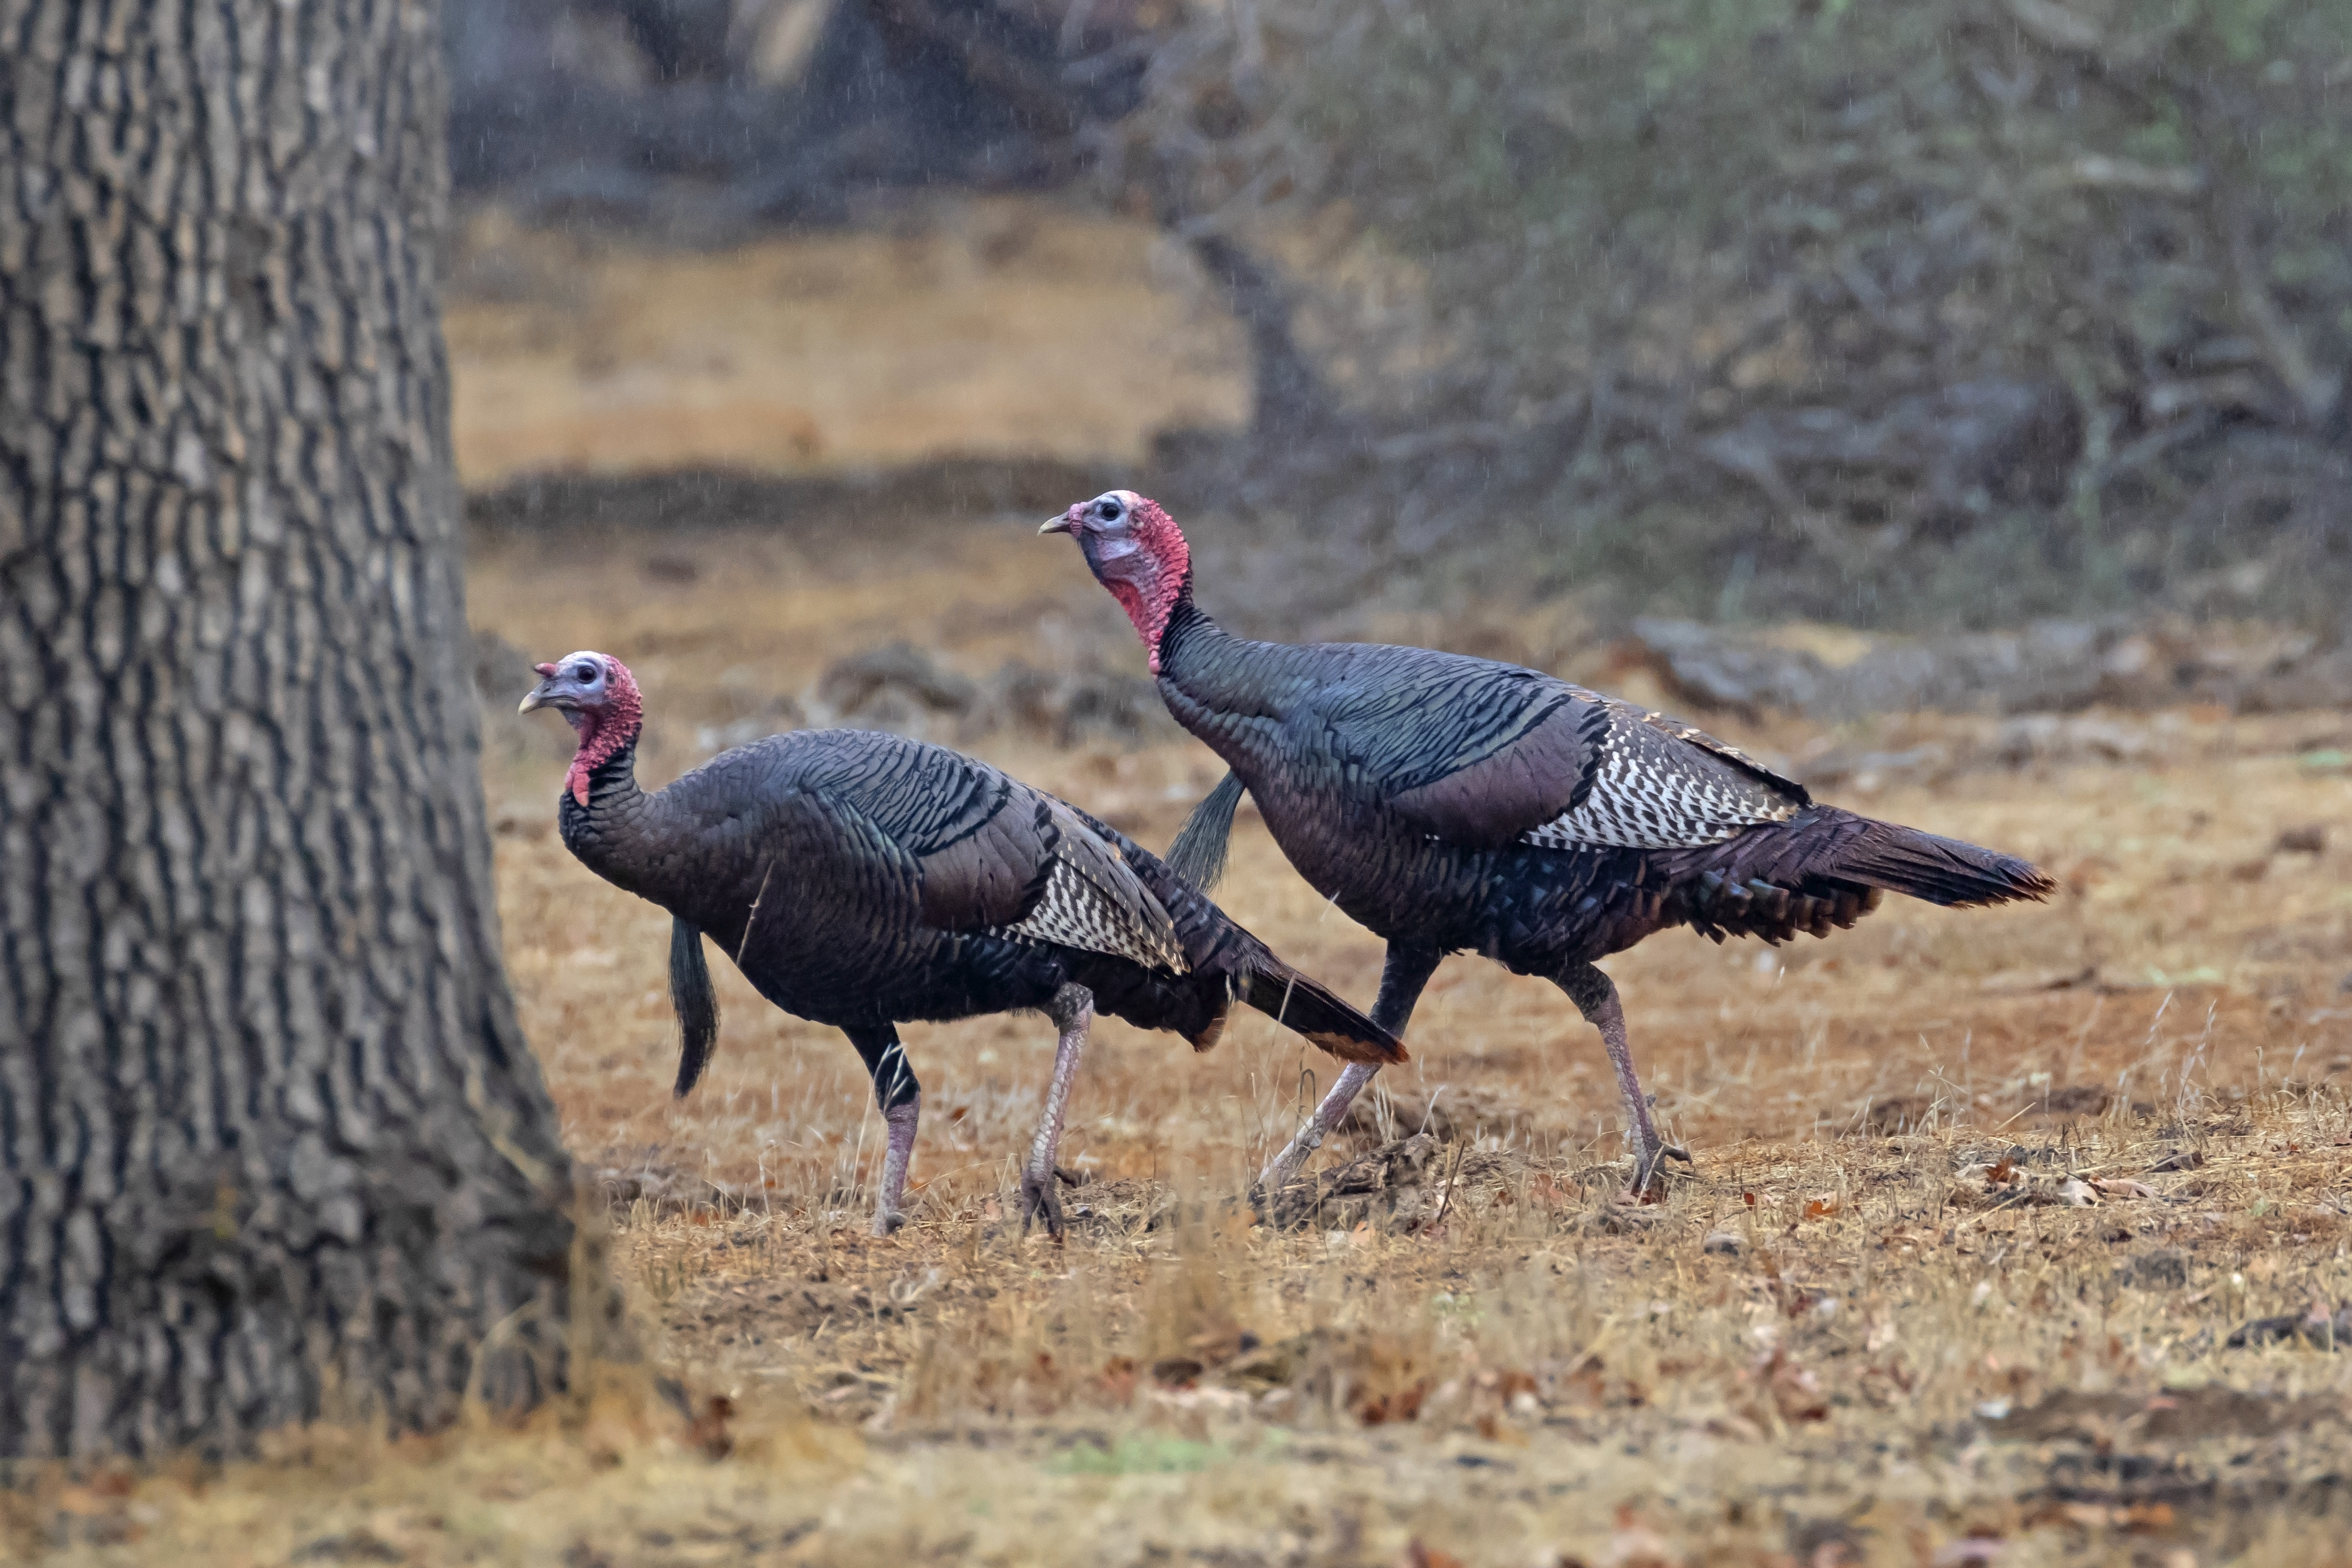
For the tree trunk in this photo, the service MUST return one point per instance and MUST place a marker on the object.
(1289, 401)
(271, 1143)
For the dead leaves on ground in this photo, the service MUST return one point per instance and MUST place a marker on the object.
(1793, 1390)
(2004, 1183)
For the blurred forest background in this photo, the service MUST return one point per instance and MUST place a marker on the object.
(1939, 314)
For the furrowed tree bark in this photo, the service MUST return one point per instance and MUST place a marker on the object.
(272, 1146)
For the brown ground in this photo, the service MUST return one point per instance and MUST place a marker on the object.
(1979, 1199)
(996, 325)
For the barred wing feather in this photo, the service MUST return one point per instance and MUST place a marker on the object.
(1663, 785)
(1093, 900)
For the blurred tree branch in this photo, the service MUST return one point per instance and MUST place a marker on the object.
(1901, 271)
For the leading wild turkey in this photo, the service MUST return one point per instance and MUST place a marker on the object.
(863, 881)
(1453, 804)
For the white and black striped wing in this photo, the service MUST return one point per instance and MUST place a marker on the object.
(1093, 901)
(1661, 785)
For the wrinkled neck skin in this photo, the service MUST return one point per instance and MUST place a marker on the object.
(1149, 584)
(608, 736)
(601, 813)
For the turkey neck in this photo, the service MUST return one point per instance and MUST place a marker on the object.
(1204, 663)
(607, 832)
(1229, 691)
(1253, 704)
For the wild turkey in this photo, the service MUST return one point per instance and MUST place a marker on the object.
(864, 881)
(1454, 804)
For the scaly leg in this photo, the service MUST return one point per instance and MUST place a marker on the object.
(1595, 996)
(901, 1099)
(1403, 975)
(900, 1119)
(1073, 1011)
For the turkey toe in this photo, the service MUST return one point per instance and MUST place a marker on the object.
(1040, 1201)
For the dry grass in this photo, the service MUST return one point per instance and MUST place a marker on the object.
(1856, 1334)
(1001, 325)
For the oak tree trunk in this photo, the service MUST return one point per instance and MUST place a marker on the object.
(271, 1143)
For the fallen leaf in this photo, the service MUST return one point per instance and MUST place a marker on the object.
(1795, 1392)
(1821, 1206)
(1418, 1555)
(1401, 1404)
(2121, 1186)
(708, 1430)
(1119, 1378)
(1635, 1545)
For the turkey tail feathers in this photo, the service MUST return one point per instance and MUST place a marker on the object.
(1938, 870)
(1198, 855)
(1305, 1004)
(697, 1004)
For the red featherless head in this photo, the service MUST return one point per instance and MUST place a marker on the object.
(598, 695)
(1137, 551)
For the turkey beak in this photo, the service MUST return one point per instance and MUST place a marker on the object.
(1060, 525)
(542, 695)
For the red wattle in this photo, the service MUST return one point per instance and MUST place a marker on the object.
(1151, 603)
(605, 729)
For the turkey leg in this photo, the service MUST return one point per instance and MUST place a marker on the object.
(900, 1119)
(1403, 975)
(1595, 995)
(901, 1099)
(1073, 1011)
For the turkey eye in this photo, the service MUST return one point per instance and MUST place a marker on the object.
(585, 674)
(1109, 510)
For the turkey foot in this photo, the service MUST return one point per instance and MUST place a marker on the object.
(1284, 1170)
(1595, 996)
(1403, 973)
(1649, 1175)
(1073, 1011)
(900, 1119)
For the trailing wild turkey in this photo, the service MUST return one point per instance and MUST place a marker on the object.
(864, 881)
(1454, 804)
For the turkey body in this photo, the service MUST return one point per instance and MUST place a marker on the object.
(861, 880)
(1452, 804)
(1462, 805)
(864, 881)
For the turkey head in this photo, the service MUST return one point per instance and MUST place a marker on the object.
(1135, 549)
(596, 692)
